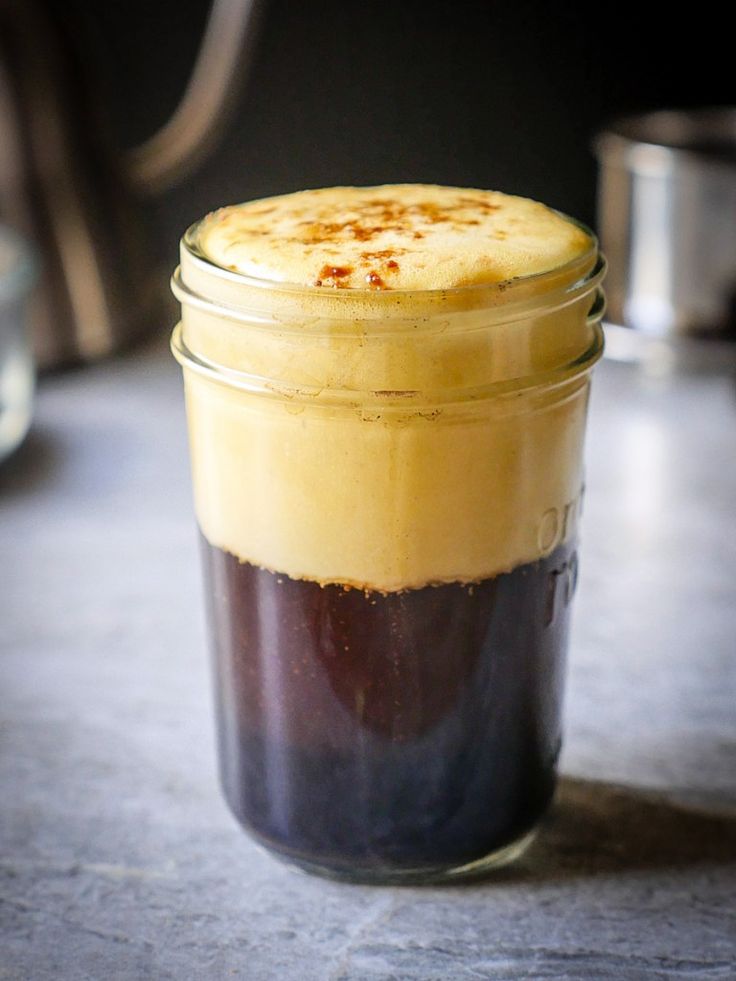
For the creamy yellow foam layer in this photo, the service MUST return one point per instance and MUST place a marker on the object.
(335, 497)
(410, 236)
(372, 457)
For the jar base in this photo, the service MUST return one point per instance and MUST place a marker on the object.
(430, 875)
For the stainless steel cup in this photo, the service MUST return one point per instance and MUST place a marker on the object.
(667, 221)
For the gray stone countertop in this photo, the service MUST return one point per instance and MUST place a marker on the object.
(119, 859)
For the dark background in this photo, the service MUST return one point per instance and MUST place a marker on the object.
(492, 94)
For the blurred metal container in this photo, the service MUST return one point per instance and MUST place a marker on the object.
(667, 221)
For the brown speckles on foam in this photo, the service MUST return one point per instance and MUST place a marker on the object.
(314, 232)
(374, 281)
(394, 237)
(333, 275)
(383, 254)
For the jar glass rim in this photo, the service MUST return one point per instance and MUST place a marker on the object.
(266, 303)
(391, 400)
(316, 313)
(507, 287)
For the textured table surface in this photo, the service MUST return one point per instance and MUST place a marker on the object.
(118, 859)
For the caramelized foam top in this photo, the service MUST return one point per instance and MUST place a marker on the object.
(392, 237)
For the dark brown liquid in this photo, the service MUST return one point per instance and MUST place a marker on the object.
(364, 731)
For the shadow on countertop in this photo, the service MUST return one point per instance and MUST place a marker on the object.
(600, 828)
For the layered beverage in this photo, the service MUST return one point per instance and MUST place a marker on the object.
(386, 392)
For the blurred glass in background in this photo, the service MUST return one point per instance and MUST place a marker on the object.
(17, 274)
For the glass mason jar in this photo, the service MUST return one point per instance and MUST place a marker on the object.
(388, 487)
